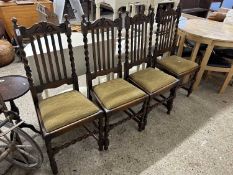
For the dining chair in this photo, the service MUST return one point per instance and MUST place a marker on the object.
(115, 94)
(154, 82)
(66, 111)
(165, 46)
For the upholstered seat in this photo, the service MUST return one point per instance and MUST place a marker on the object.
(66, 108)
(152, 80)
(177, 65)
(117, 92)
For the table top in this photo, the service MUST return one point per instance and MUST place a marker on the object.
(208, 29)
(13, 86)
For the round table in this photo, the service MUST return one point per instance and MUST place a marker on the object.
(11, 88)
(213, 34)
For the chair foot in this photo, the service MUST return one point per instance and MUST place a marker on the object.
(171, 99)
(141, 127)
(189, 93)
(53, 165)
(52, 161)
(169, 106)
(106, 133)
(190, 89)
(106, 144)
(101, 136)
(169, 112)
(101, 146)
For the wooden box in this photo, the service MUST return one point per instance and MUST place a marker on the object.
(26, 14)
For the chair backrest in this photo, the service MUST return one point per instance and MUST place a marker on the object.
(165, 5)
(104, 33)
(138, 44)
(167, 20)
(50, 65)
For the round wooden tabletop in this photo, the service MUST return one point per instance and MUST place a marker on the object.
(13, 86)
(208, 29)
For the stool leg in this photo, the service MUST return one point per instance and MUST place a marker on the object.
(106, 132)
(170, 101)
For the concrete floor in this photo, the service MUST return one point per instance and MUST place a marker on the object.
(196, 139)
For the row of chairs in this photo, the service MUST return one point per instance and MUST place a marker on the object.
(123, 91)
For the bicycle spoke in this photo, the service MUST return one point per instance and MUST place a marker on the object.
(23, 158)
(24, 146)
(4, 141)
(7, 138)
(4, 154)
(3, 146)
(27, 154)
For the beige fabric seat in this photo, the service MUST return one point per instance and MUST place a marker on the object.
(117, 92)
(152, 80)
(177, 64)
(66, 108)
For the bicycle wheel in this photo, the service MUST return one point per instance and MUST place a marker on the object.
(19, 148)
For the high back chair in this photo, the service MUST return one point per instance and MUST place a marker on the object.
(152, 81)
(165, 46)
(63, 112)
(116, 94)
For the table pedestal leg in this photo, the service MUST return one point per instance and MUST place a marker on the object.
(15, 109)
(203, 66)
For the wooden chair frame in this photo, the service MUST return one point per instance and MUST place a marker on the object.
(133, 23)
(167, 26)
(104, 68)
(45, 29)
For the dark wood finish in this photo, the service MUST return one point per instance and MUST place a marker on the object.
(3, 33)
(167, 24)
(11, 88)
(140, 25)
(141, 46)
(166, 39)
(48, 63)
(107, 30)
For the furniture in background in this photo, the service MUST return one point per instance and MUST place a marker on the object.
(26, 14)
(44, 14)
(167, 20)
(152, 81)
(11, 88)
(116, 4)
(213, 34)
(218, 1)
(68, 110)
(196, 7)
(3, 34)
(116, 94)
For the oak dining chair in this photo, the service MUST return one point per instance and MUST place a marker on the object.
(164, 57)
(154, 82)
(65, 111)
(116, 94)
